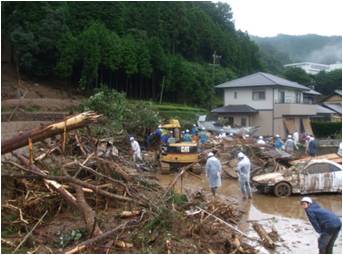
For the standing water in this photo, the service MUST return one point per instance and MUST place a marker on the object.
(286, 214)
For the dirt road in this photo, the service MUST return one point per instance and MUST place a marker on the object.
(285, 213)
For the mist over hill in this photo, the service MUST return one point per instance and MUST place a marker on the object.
(303, 48)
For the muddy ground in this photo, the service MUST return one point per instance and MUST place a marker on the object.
(285, 213)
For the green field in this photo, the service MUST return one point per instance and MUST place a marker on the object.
(187, 115)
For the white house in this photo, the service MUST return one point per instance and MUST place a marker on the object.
(314, 68)
(274, 104)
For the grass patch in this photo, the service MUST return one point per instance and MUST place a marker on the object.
(178, 199)
(32, 108)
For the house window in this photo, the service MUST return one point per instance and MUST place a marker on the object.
(259, 95)
(298, 97)
(230, 121)
(235, 94)
(243, 122)
(282, 97)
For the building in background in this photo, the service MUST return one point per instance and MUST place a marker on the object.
(274, 104)
(333, 102)
(315, 68)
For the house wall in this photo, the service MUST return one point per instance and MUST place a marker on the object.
(270, 110)
(294, 109)
(237, 118)
(244, 96)
(263, 119)
(335, 99)
(290, 95)
(280, 129)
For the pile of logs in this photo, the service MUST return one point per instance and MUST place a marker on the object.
(122, 208)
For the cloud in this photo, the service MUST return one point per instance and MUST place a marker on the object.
(329, 54)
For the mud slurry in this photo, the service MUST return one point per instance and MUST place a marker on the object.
(285, 214)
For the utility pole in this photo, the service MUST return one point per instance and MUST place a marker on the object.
(215, 57)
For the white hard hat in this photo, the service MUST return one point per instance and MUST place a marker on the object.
(306, 199)
(241, 155)
(132, 138)
(247, 135)
(231, 134)
(210, 154)
(260, 137)
(203, 128)
(194, 125)
(289, 136)
(159, 126)
(187, 130)
(277, 136)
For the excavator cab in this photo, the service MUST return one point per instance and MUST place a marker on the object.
(177, 154)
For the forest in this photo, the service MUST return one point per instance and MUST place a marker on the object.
(173, 51)
(135, 47)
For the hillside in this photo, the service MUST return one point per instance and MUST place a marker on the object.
(140, 48)
(312, 48)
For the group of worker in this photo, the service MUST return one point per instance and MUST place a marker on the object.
(292, 143)
(168, 137)
(196, 134)
(325, 222)
(213, 171)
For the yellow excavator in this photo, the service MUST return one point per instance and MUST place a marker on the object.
(177, 154)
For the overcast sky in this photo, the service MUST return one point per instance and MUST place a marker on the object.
(294, 17)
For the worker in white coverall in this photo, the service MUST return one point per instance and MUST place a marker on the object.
(213, 170)
(136, 149)
(260, 140)
(243, 171)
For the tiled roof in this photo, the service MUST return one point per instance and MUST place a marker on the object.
(235, 109)
(261, 79)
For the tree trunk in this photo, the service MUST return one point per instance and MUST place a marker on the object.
(266, 240)
(43, 132)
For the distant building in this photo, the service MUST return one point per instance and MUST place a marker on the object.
(314, 68)
(274, 104)
(333, 102)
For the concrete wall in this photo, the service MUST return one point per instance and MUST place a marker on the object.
(244, 96)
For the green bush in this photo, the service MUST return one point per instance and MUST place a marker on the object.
(326, 129)
(135, 118)
(140, 117)
(110, 103)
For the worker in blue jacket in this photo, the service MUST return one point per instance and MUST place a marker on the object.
(187, 137)
(325, 222)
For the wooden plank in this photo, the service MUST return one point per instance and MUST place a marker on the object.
(307, 126)
(290, 125)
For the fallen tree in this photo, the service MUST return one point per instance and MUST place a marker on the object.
(43, 132)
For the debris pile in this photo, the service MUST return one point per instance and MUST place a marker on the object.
(75, 193)
(264, 159)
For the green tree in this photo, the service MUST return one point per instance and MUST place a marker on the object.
(298, 75)
(328, 82)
